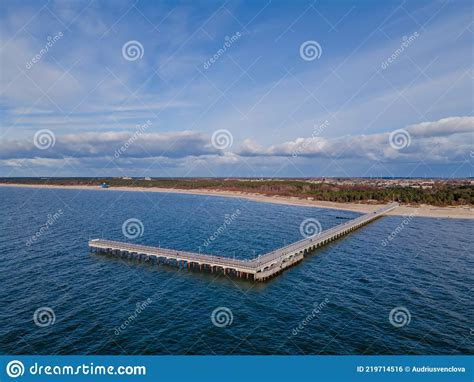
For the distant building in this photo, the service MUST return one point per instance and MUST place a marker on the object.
(126, 178)
(147, 178)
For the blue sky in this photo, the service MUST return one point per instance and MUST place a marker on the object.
(382, 70)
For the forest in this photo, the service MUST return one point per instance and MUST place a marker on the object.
(442, 193)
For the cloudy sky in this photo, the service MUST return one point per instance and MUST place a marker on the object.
(255, 88)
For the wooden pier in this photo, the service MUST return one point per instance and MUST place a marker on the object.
(260, 268)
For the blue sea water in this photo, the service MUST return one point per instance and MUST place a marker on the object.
(337, 301)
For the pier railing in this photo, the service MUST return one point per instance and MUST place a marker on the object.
(325, 235)
(259, 268)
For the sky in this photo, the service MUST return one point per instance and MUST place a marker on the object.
(236, 89)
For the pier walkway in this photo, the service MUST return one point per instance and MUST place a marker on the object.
(260, 268)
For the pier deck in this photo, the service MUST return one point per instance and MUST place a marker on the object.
(260, 268)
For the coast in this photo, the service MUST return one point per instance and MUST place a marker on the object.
(403, 210)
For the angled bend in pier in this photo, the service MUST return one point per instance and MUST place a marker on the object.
(259, 269)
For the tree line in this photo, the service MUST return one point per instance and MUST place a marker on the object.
(443, 193)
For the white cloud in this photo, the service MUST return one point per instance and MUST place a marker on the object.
(129, 144)
(99, 97)
(443, 140)
(443, 127)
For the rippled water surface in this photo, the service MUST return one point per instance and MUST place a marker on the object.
(337, 301)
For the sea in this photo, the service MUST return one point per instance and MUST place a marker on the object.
(400, 285)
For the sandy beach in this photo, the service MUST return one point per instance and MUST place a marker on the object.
(403, 210)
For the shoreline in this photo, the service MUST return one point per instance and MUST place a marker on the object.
(402, 210)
